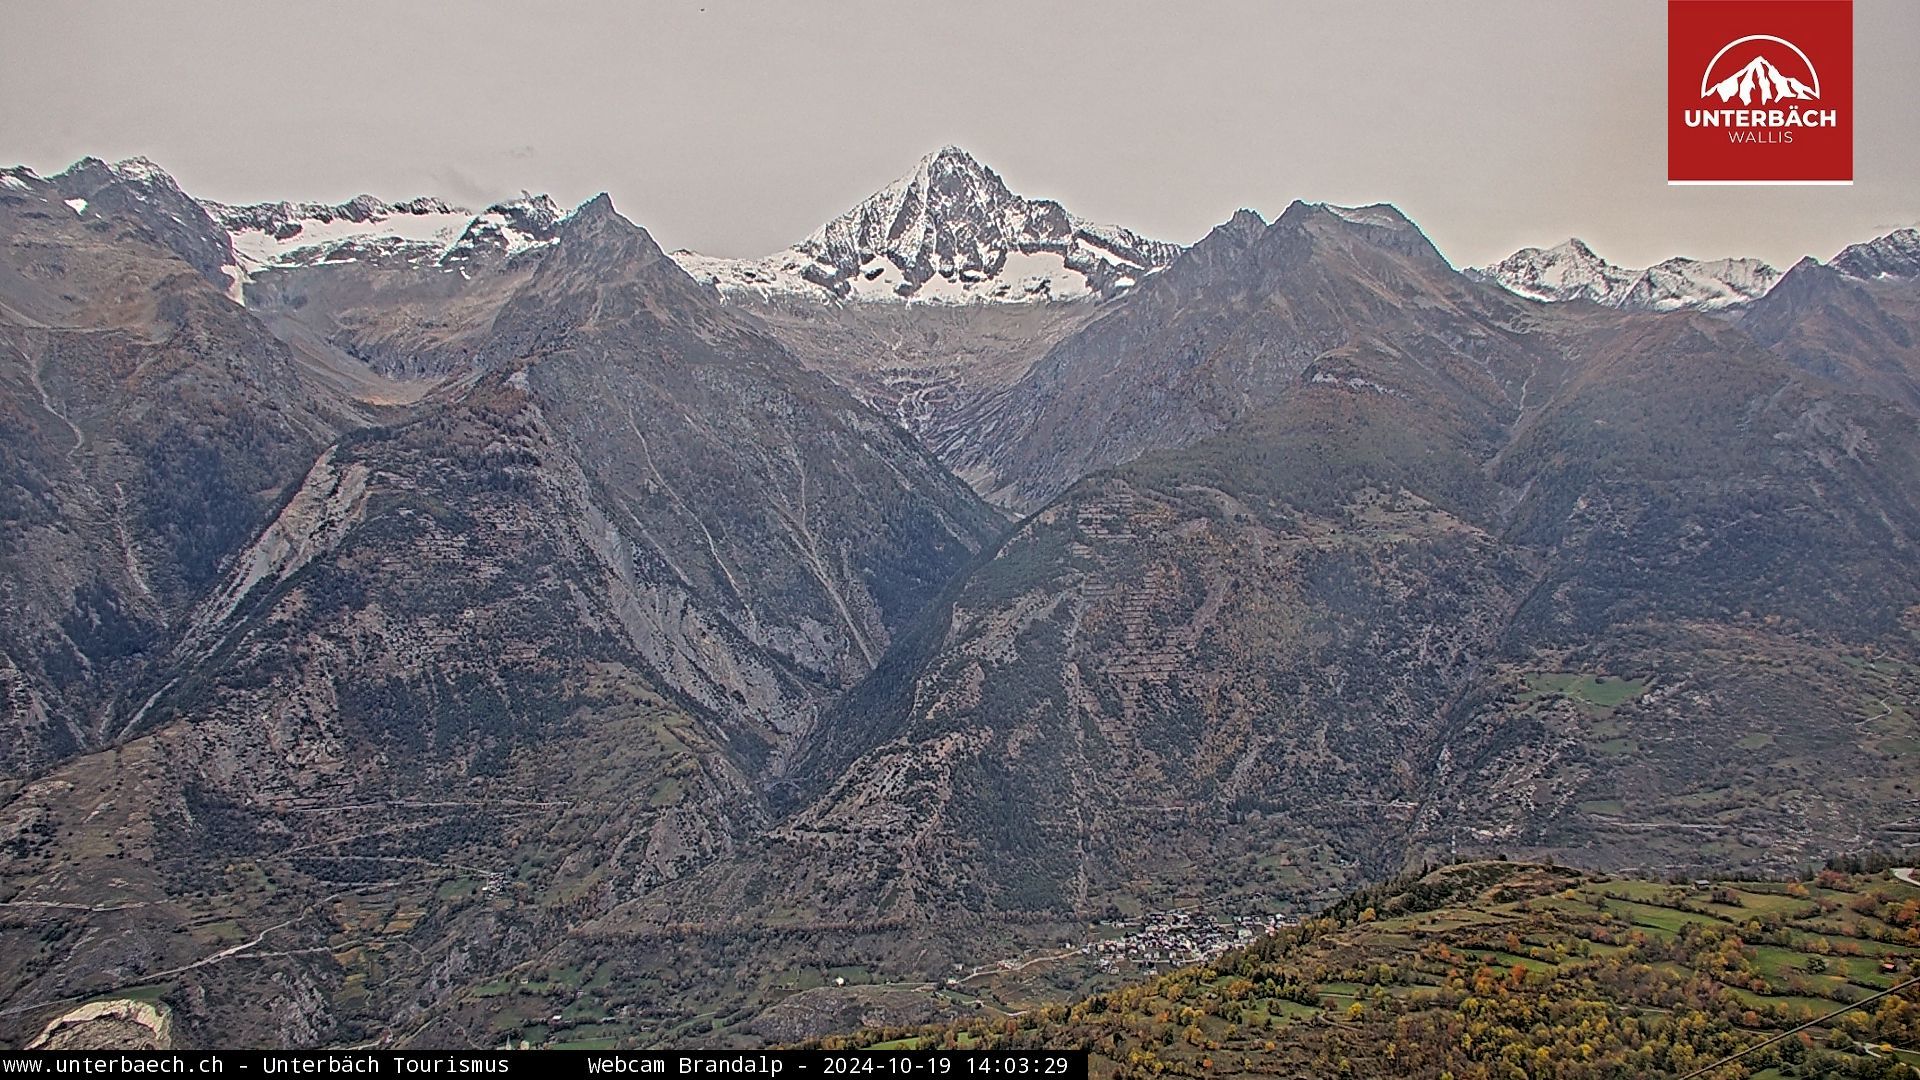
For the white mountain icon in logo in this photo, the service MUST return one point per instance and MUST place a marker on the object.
(1760, 80)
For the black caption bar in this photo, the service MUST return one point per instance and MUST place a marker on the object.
(755, 1065)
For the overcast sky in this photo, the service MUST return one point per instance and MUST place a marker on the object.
(736, 127)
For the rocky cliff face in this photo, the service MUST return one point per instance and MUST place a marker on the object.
(699, 425)
(1852, 321)
(151, 428)
(1227, 330)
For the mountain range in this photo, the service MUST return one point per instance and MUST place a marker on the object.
(948, 232)
(437, 628)
(1571, 271)
(1762, 82)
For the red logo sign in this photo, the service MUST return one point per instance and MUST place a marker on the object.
(1760, 91)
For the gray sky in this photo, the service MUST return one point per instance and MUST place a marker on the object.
(736, 127)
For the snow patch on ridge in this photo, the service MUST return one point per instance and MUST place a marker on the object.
(1377, 216)
(419, 231)
(307, 239)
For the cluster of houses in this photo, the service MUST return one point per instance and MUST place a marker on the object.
(1171, 939)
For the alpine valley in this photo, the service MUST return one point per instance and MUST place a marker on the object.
(433, 627)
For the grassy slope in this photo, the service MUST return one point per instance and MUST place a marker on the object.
(1509, 969)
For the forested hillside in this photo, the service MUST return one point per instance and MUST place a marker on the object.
(1516, 971)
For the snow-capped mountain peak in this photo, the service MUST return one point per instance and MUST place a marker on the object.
(138, 189)
(140, 173)
(1702, 285)
(949, 230)
(141, 170)
(19, 178)
(1895, 255)
(1573, 271)
(1761, 81)
(947, 191)
(1566, 271)
(509, 228)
